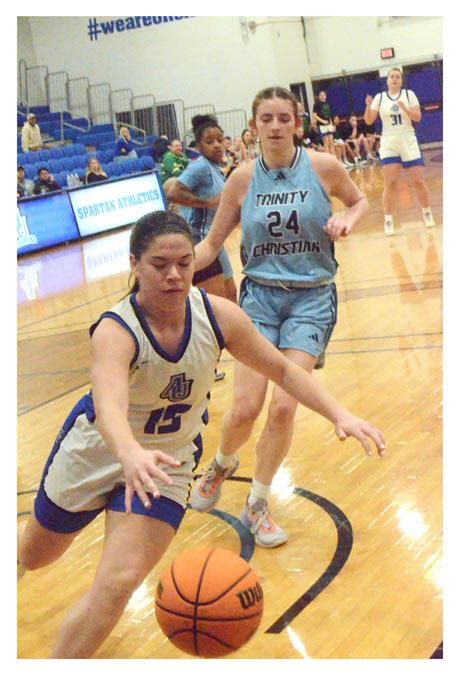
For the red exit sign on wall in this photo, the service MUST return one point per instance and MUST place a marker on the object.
(387, 53)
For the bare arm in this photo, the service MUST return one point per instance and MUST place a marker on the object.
(247, 345)
(370, 115)
(338, 183)
(112, 349)
(178, 193)
(226, 219)
(414, 113)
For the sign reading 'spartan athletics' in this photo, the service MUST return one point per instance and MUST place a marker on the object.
(116, 203)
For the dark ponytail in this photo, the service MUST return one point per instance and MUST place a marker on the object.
(150, 226)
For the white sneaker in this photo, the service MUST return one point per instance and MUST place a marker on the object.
(258, 520)
(388, 228)
(429, 220)
(206, 491)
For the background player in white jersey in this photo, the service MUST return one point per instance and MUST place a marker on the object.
(153, 361)
(398, 108)
(288, 234)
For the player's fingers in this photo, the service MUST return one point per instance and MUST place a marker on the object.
(141, 493)
(167, 459)
(365, 443)
(128, 497)
(341, 434)
(378, 439)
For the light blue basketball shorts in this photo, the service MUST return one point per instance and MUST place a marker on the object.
(300, 318)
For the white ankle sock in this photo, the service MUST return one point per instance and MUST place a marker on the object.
(427, 212)
(224, 461)
(258, 491)
(388, 218)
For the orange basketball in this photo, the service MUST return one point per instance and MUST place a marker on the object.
(209, 602)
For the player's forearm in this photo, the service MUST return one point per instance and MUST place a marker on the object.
(310, 392)
(112, 424)
(355, 212)
(205, 253)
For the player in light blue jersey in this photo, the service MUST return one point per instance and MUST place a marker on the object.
(200, 187)
(398, 108)
(282, 200)
(152, 365)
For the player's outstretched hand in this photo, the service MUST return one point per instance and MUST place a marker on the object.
(140, 469)
(349, 425)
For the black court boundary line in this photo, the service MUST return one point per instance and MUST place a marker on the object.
(340, 557)
(438, 652)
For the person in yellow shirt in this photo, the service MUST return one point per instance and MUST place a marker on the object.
(31, 136)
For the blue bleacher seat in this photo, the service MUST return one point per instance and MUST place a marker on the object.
(70, 134)
(67, 163)
(127, 166)
(115, 168)
(104, 156)
(144, 151)
(79, 149)
(108, 169)
(56, 165)
(59, 179)
(137, 165)
(79, 161)
(39, 109)
(44, 155)
(45, 127)
(63, 175)
(68, 150)
(81, 173)
(22, 158)
(56, 153)
(103, 128)
(147, 162)
(32, 157)
(30, 171)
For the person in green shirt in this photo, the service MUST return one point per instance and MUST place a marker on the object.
(174, 161)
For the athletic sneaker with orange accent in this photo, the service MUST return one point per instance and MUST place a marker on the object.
(207, 489)
(258, 520)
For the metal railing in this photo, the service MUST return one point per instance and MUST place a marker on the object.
(98, 104)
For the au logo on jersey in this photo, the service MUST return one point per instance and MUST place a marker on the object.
(178, 389)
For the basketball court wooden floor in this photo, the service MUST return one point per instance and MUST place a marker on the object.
(361, 574)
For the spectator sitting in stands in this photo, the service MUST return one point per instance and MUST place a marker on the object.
(341, 148)
(160, 148)
(239, 149)
(373, 139)
(300, 140)
(25, 186)
(45, 182)
(231, 158)
(249, 143)
(125, 148)
(174, 161)
(354, 137)
(94, 172)
(31, 136)
(316, 141)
